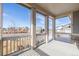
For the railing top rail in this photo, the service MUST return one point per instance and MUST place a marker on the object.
(63, 33)
(40, 34)
(15, 36)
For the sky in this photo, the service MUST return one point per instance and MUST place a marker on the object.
(40, 22)
(18, 16)
(62, 21)
(15, 15)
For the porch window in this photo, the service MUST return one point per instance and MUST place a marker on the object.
(16, 27)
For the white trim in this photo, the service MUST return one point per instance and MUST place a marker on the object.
(0, 20)
(33, 28)
(71, 18)
(46, 29)
(1, 23)
(54, 27)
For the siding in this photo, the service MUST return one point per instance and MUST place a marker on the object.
(76, 22)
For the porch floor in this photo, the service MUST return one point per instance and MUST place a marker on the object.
(54, 48)
(29, 53)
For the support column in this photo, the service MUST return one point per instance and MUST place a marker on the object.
(1, 50)
(53, 28)
(33, 28)
(71, 18)
(46, 29)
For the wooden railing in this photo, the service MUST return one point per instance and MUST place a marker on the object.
(16, 42)
(40, 38)
(63, 35)
(12, 44)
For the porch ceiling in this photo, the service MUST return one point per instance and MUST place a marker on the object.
(59, 8)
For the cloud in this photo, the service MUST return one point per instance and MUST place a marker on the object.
(5, 14)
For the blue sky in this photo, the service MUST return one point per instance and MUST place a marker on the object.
(15, 15)
(62, 21)
(40, 22)
(19, 16)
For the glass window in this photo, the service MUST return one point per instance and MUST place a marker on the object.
(40, 23)
(63, 29)
(50, 28)
(16, 27)
(40, 28)
(16, 18)
(63, 25)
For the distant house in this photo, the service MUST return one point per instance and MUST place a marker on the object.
(5, 31)
(22, 29)
(64, 29)
(11, 30)
(40, 30)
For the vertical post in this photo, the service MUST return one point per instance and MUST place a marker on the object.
(46, 29)
(1, 42)
(53, 28)
(71, 18)
(33, 28)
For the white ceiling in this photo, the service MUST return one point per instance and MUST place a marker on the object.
(59, 8)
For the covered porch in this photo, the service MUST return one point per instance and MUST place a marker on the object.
(42, 41)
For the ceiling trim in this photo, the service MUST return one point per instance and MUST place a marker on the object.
(66, 13)
(39, 8)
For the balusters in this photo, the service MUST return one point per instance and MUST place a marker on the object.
(17, 44)
(12, 44)
(6, 46)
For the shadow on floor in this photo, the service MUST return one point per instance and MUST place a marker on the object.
(19, 52)
(50, 40)
(41, 53)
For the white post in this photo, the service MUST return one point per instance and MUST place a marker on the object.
(33, 28)
(1, 50)
(71, 18)
(46, 29)
(53, 28)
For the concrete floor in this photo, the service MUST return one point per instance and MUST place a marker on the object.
(29, 53)
(58, 47)
(54, 48)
